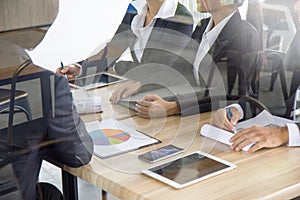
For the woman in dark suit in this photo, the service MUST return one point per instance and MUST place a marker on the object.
(148, 31)
(222, 38)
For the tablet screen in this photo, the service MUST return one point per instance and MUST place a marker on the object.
(189, 169)
(96, 80)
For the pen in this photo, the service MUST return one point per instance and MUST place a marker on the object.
(230, 117)
(229, 113)
(61, 65)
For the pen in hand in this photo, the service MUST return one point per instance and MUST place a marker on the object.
(61, 65)
(229, 113)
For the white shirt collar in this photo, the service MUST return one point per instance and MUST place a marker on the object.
(139, 5)
(219, 26)
(167, 9)
(208, 39)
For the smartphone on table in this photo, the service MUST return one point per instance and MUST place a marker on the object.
(160, 153)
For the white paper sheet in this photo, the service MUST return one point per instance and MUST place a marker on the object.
(88, 105)
(262, 119)
(121, 140)
(81, 27)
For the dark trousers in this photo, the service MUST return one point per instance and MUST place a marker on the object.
(47, 191)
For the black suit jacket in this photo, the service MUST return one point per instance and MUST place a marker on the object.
(60, 126)
(237, 45)
(167, 39)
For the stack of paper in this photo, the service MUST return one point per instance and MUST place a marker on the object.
(88, 105)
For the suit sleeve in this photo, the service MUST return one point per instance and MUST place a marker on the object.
(161, 48)
(74, 146)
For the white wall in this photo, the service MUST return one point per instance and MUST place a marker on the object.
(15, 14)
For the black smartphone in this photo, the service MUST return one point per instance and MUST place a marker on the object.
(160, 153)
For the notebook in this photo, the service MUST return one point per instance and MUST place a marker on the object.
(168, 94)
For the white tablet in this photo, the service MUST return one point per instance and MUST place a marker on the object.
(95, 81)
(189, 169)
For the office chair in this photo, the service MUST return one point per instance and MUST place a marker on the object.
(295, 82)
(255, 106)
(13, 55)
(275, 65)
(21, 104)
(278, 30)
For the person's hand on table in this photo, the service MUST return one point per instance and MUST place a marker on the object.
(125, 90)
(153, 106)
(221, 120)
(262, 137)
(71, 71)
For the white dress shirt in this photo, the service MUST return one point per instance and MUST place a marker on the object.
(208, 39)
(167, 9)
(294, 135)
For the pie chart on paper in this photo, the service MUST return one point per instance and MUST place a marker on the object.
(104, 137)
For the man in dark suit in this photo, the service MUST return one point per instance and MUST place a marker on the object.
(57, 134)
(263, 137)
(224, 37)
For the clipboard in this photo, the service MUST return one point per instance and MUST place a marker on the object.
(112, 138)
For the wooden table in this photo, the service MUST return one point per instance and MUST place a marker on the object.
(30, 72)
(266, 174)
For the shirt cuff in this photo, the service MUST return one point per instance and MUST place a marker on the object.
(294, 135)
(80, 68)
(239, 108)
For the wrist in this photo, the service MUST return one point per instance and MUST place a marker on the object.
(78, 69)
(173, 108)
(238, 108)
(284, 133)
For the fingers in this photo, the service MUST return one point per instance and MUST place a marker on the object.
(234, 119)
(144, 103)
(241, 134)
(153, 106)
(70, 71)
(243, 142)
(249, 136)
(152, 97)
(62, 71)
(67, 70)
(256, 146)
(124, 90)
(220, 120)
(130, 91)
(228, 126)
(235, 116)
(116, 95)
(142, 111)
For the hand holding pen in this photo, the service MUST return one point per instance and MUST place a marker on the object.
(226, 118)
(69, 71)
(233, 119)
